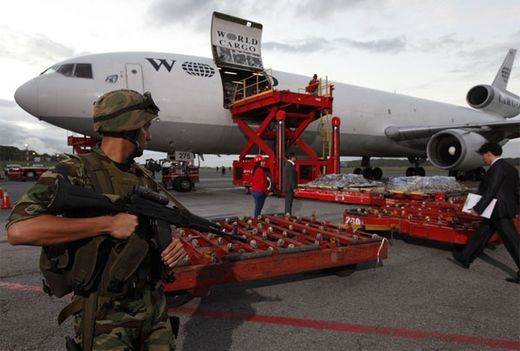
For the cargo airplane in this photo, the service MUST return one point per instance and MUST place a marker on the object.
(193, 94)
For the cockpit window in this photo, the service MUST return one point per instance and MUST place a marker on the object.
(79, 70)
(83, 70)
(50, 70)
(66, 69)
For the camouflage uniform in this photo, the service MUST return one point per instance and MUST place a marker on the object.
(139, 318)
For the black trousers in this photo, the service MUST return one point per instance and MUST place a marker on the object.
(289, 197)
(505, 229)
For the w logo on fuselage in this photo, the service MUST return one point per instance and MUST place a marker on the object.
(158, 63)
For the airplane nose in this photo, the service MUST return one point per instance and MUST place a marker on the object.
(26, 96)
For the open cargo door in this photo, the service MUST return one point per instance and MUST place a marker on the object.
(236, 47)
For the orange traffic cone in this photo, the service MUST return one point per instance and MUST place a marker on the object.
(6, 203)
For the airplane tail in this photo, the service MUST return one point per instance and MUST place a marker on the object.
(504, 72)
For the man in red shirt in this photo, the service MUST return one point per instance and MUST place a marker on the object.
(312, 87)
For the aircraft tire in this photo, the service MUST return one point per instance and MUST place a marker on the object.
(410, 172)
(419, 171)
(368, 173)
(357, 170)
(377, 173)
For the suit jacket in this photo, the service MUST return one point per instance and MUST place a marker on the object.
(500, 182)
(289, 178)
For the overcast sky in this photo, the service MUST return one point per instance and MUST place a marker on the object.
(434, 49)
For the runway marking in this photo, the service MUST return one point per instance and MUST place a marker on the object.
(352, 328)
(20, 287)
(322, 325)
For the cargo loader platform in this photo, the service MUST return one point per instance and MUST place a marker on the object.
(276, 245)
(342, 196)
(439, 220)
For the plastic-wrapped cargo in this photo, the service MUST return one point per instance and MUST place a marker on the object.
(343, 181)
(425, 185)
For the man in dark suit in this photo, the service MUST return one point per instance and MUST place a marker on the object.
(289, 182)
(500, 182)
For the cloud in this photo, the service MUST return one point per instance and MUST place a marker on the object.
(31, 48)
(17, 128)
(302, 46)
(445, 42)
(320, 10)
(7, 103)
(197, 14)
(394, 45)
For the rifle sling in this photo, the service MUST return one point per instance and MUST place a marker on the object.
(100, 179)
(161, 187)
(88, 322)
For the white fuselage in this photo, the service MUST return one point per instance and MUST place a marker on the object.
(193, 117)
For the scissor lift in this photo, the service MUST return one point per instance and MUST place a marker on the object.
(273, 121)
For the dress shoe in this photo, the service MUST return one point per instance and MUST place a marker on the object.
(457, 256)
(514, 279)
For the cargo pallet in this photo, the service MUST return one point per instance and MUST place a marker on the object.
(441, 221)
(342, 196)
(276, 245)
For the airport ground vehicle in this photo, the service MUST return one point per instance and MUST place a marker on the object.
(179, 175)
(23, 173)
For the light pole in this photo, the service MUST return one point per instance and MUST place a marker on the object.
(26, 154)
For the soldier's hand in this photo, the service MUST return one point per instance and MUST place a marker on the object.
(173, 253)
(122, 225)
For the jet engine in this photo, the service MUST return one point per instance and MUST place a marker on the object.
(490, 99)
(455, 149)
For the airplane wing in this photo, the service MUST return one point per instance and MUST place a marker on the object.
(510, 129)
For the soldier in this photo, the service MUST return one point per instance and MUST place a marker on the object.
(107, 316)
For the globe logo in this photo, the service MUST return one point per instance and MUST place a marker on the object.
(198, 69)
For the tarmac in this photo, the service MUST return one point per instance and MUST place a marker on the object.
(418, 299)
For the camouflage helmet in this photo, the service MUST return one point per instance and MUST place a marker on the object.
(123, 110)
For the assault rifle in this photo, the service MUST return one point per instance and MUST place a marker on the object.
(142, 202)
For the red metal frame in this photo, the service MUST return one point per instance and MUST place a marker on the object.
(433, 220)
(282, 116)
(81, 144)
(342, 196)
(276, 246)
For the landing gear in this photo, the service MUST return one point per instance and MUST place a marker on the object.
(417, 170)
(375, 173)
(475, 175)
(368, 172)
